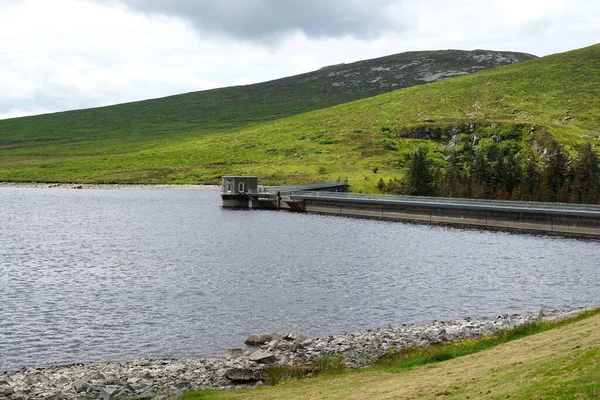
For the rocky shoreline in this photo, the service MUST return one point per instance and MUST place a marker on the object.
(241, 367)
(110, 186)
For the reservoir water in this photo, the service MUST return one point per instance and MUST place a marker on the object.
(113, 275)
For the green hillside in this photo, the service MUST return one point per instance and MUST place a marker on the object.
(365, 140)
(111, 144)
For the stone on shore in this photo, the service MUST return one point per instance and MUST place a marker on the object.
(261, 338)
(235, 353)
(244, 375)
(80, 385)
(158, 379)
(110, 392)
(262, 357)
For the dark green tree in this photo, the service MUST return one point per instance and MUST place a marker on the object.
(555, 173)
(419, 179)
(498, 179)
(512, 174)
(480, 175)
(453, 182)
(531, 179)
(585, 185)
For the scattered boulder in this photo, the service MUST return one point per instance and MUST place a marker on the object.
(110, 392)
(233, 354)
(262, 357)
(423, 132)
(261, 338)
(80, 385)
(306, 343)
(295, 337)
(454, 141)
(6, 391)
(244, 375)
(146, 394)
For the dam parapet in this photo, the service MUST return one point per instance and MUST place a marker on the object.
(580, 220)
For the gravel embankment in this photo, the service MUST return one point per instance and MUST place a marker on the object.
(242, 367)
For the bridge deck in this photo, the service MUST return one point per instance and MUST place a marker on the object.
(312, 187)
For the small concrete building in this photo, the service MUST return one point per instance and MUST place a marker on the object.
(235, 189)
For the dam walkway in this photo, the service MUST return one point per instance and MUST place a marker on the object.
(580, 220)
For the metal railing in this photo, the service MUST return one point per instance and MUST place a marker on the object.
(450, 202)
(273, 190)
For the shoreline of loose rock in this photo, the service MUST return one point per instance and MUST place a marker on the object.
(241, 368)
(109, 186)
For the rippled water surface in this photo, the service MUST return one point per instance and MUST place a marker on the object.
(99, 275)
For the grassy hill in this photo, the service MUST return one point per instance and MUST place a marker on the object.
(563, 363)
(169, 141)
(111, 144)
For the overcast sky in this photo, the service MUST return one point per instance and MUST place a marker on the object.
(67, 54)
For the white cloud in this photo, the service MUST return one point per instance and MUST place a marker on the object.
(66, 54)
(16, 113)
(269, 20)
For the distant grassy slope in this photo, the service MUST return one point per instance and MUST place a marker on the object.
(557, 94)
(235, 107)
(31, 148)
(557, 364)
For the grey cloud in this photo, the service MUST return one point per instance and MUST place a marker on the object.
(264, 20)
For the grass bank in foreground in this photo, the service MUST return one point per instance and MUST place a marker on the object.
(548, 361)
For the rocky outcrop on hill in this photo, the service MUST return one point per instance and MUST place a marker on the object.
(408, 69)
(162, 379)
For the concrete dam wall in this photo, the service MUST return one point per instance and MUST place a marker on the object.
(530, 220)
(580, 220)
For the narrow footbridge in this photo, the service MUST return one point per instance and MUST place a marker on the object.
(276, 197)
(335, 187)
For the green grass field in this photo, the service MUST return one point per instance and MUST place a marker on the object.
(560, 363)
(169, 141)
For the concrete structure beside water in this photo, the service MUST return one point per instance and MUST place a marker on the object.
(581, 220)
(235, 190)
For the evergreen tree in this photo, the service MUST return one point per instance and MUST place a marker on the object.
(497, 179)
(585, 185)
(555, 174)
(452, 184)
(531, 176)
(480, 175)
(419, 180)
(512, 174)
